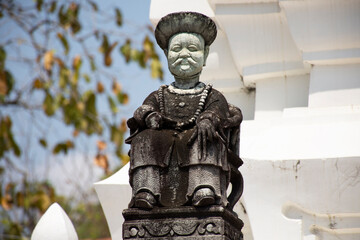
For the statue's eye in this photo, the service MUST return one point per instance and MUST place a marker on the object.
(192, 48)
(176, 48)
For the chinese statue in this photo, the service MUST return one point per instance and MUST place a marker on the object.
(185, 137)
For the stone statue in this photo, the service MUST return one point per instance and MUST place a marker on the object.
(185, 137)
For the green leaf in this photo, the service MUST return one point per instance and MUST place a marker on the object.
(9, 82)
(16, 148)
(60, 147)
(2, 58)
(77, 62)
(141, 59)
(62, 16)
(39, 4)
(123, 98)
(90, 104)
(64, 42)
(105, 44)
(156, 69)
(52, 7)
(119, 20)
(86, 77)
(64, 77)
(92, 63)
(116, 136)
(7, 141)
(43, 142)
(63, 147)
(112, 105)
(125, 50)
(75, 26)
(148, 47)
(49, 105)
(107, 55)
(106, 49)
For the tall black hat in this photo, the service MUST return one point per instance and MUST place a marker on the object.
(184, 22)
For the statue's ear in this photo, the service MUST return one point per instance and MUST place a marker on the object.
(206, 53)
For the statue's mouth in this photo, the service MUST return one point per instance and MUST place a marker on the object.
(184, 66)
(184, 63)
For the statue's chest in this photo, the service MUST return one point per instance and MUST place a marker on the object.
(180, 107)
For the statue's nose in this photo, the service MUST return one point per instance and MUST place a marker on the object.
(184, 53)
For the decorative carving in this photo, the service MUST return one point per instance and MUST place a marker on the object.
(164, 223)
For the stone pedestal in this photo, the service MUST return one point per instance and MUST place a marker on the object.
(187, 223)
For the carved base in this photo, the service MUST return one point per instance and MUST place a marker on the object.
(185, 223)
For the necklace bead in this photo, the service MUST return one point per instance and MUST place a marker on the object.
(200, 108)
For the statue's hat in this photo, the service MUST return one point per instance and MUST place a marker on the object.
(185, 22)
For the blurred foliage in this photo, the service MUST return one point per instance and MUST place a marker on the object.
(68, 84)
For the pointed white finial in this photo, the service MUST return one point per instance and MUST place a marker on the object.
(54, 225)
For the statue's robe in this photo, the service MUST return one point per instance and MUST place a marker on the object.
(164, 162)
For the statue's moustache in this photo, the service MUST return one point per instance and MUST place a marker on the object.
(179, 60)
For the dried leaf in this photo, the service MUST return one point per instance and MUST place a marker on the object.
(38, 84)
(76, 62)
(123, 126)
(2, 58)
(107, 60)
(3, 84)
(6, 202)
(94, 6)
(59, 62)
(100, 87)
(101, 145)
(49, 60)
(116, 87)
(101, 160)
(70, 144)
(75, 133)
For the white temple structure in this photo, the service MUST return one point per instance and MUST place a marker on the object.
(293, 67)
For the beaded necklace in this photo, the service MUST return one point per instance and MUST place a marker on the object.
(200, 108)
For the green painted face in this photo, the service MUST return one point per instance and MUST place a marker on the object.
(186, 54)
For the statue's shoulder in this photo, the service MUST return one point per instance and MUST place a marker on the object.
(152, 98)
(216, 95)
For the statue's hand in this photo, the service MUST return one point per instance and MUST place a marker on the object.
(153, 120)
(205, 132)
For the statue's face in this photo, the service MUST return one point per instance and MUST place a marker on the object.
(186, 54)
